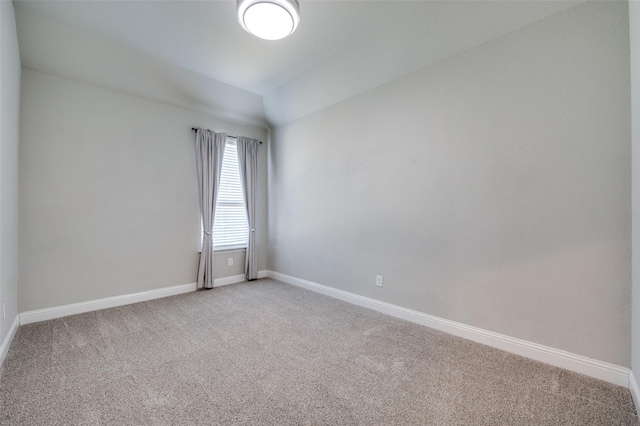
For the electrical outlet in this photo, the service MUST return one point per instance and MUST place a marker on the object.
(230, 261)
(379, 280)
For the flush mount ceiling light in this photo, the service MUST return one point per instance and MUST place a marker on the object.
(268, 19)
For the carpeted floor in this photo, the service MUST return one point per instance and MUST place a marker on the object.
(266, 353)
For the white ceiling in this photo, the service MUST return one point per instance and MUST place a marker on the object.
(340, 48)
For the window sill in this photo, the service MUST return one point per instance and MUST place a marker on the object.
(230, 249)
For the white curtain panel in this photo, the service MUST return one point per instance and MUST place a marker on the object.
(209, 154)
(248, 164)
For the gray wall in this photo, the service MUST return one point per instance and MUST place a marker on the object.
(108, 194)
(9, 119)
(492, 188)
(634, 33)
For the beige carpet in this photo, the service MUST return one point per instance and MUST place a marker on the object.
(266, 353)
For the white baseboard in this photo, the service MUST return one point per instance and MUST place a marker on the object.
(107, 302)
(6, 342)
(125, 299)
(635, 390)
(590, 367)
(234, 279)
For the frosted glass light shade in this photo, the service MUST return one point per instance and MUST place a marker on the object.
(268, 19)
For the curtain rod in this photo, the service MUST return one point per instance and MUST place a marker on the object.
(229, 136)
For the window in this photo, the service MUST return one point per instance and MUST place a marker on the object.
(230, 227)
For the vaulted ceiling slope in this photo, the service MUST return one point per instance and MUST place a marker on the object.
(194, 53)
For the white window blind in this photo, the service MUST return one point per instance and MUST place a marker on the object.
(230, 227)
